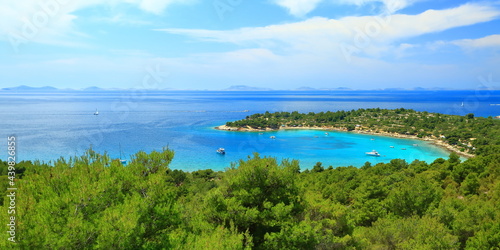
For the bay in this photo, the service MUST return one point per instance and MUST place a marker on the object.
(51, 125)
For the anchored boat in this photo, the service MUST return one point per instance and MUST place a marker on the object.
(373, 153)
(221, 151)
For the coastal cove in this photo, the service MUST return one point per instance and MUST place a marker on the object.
(465, 135)
(427, 141)
(334, 147)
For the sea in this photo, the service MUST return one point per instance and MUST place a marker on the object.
(50, 125)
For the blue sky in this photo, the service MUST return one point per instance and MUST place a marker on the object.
(279, 44)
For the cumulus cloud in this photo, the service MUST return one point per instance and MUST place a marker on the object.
(322, 35)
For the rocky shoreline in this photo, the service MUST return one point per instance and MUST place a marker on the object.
(434, 141)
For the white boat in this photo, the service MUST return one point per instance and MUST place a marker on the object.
(221, 151)
(272, 137)
(391, 146)
(96, 112)
(373, 153)
(123, 161)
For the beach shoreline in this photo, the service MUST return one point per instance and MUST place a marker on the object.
(435, 141)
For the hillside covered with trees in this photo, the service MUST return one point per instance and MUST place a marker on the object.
(95, 202)
(469, 134)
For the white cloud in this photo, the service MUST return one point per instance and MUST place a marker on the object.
(404, 50)
(313, 30)
(439, 20)
(158, 6)
(369, 34)
(389, 6)
(309, 51)
(492, 41)
(51, 21)
(122, 19)
(298, 7)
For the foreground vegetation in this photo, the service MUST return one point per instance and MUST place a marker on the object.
(94, 202)
(474, 135)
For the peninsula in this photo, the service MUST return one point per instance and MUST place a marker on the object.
(466, 135)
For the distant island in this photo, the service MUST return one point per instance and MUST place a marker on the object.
(245, 88)
(25, 88)
(466, 135)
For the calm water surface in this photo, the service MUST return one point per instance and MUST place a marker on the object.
(51, 125)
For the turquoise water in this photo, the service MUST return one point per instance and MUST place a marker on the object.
(309, 146)
(51, 125)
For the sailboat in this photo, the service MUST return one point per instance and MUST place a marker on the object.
(96, 112)
(462, 104)
(123, 161)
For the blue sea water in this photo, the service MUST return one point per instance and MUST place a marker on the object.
(51, 125)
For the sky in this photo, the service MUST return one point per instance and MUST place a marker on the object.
(278, 44)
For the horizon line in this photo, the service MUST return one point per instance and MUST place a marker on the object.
(237, 88)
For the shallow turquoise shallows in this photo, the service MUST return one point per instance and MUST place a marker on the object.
(332, 148)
